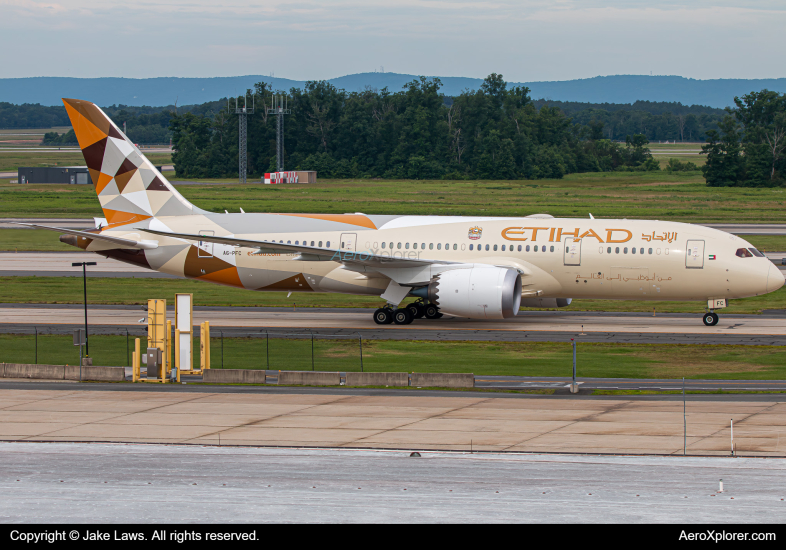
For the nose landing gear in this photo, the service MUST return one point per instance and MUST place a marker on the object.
(710, 319)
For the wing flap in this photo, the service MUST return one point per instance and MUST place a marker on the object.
(306, 253)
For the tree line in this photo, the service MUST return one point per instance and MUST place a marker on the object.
(495, 132)
(749, 147)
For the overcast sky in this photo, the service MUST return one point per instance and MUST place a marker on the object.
(525, 40)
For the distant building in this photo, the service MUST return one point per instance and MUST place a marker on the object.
(77, 175)
(55, 174)
(298, 176)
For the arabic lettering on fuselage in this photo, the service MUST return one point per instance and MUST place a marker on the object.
(667, 236)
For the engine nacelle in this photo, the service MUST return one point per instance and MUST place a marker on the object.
(546, 302)
(477, 293)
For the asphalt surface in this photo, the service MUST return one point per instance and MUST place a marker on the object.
(111, 483)
(509, 385)
(767, 329)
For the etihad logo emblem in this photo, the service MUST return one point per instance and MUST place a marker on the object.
(475, 232)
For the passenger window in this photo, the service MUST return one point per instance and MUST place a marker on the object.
(743, 253)
(543, 248)
(312, 244)
(633, 250)
(527, 248)
(289, 242)
(535, 248)
(551, 248)
(609, 250)
(657, 251)
(391, 246)
(328, 244)
(383, 245)
(641, 251)
(503, 248)
(649, 251)
(406, 245)
(600, 250)
(519, 248)
(666, 250)
(495, 248)
(756, 253)
(439, 246)
(423, 246)
(297, 242)
(398, 245)
(431, 246)
(487, 247)
(470, 247)
(625, 250)
(320, 244)
(447, 246)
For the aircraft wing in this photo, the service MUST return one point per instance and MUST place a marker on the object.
(118, 241)
(307, 253)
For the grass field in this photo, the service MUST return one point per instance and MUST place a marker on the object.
(12, 160)
(653, 195)
(480, 358)
(68, 290)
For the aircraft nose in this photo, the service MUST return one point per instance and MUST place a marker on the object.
(775, 278)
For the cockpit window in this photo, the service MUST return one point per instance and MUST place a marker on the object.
(756, 253)
(743, 253)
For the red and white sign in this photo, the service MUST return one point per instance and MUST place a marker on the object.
(273, 178)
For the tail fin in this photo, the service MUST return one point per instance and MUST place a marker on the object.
(129, 187)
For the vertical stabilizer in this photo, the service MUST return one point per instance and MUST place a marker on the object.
(130, 189)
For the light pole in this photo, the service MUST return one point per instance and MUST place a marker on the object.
(84, 285)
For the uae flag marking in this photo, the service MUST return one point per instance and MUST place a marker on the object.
(712, 256)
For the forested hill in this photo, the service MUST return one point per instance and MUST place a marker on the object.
(716, 93)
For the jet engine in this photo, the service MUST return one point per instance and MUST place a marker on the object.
(477, 293)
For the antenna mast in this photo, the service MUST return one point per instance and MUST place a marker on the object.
(242, 114)
(279, 104)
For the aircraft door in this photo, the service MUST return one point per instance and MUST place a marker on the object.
(571, 250)
(348, 241)
(694, 256)
(205, 248)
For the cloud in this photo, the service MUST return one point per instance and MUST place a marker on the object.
(526, 40)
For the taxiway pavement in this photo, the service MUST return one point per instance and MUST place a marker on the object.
(449, 421)
(116, 484)
(527, 326)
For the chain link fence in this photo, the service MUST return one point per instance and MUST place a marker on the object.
(230, 349)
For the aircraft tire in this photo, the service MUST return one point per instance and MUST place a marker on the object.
(383, 316)
(710, 319)
(402, 316)
(432, 312)
(416, 309)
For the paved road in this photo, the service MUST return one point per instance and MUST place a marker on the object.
(58, 264)
(534, 326)
(112, 483)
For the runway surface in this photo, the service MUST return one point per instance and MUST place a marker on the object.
(58, 264)
(253, 319)
(113, 483)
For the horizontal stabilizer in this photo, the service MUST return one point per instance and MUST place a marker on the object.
(122, 243)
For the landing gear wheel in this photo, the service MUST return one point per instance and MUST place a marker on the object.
(416, 309)
(432, 312)
(383, 316)
(710, 319)
(402, 316)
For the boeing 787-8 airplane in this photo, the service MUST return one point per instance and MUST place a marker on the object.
(476, 267)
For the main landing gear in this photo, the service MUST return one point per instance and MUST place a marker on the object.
(405, 315)
(710, 318)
